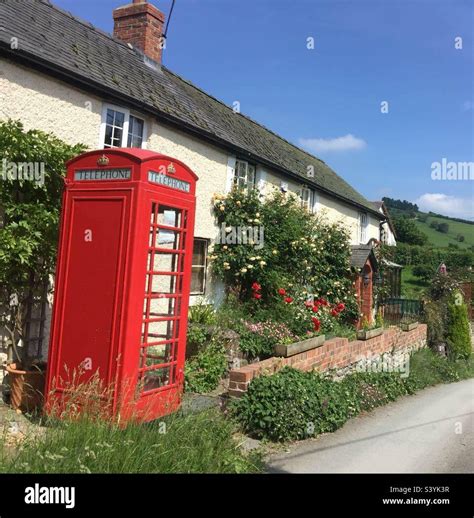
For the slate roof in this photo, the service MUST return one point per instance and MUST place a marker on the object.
(360, 254)
(57, 42)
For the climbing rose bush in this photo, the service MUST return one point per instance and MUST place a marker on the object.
(300, 253)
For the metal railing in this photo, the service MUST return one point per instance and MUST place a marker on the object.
(396, 310)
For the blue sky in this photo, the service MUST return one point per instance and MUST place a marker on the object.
(328, 100)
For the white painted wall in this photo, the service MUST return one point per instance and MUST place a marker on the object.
(41, 102)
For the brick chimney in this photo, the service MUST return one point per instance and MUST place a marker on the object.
(141, 24)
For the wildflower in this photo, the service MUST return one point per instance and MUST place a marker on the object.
(257, 296)
(262, 263)
(315, 308)
(288, 300)
(281, 291)
(334, 312)
(243, 270)
(256, 286)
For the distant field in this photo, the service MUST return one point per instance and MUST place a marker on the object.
(439, 239)
(412, 287)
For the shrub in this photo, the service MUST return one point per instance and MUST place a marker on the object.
(424, 271)
(203, 372)
(259, 338)
(458, 331)
(28, 237)
(202, 314)
(293, 405)
(299, 250)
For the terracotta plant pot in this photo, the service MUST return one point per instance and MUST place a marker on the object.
(27, 388)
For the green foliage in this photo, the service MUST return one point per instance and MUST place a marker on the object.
(203, 372)
(197, 336)
(202, 314)
(196, 443)
(435, 317)
(259, 338)
(458, 332)
(423, 271)
(292, 404)
(28, 239)
(443, 227)
(407, 231)
(301, 253)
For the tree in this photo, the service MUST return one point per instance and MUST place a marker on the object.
(31, 206)
(458, 331)
(443, 227)
(408, 232)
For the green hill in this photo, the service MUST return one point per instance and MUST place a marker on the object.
(455, 227)
(443, 240)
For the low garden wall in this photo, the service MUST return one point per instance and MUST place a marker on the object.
(336, 354)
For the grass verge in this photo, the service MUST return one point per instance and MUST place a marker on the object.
(195, 443)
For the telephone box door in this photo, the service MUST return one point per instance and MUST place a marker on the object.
(168, 271)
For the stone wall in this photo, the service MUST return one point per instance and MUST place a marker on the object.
(336, 354)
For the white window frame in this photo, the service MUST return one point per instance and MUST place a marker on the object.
(306, 198)
(127, 113)
(363, 225)
(204, 283)
(237, 176)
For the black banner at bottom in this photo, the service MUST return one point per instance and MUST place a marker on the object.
(333, 495)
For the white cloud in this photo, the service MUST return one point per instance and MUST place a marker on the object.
(447, 205)
(320, 145)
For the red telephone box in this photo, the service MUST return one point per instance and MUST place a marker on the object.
(123, 280)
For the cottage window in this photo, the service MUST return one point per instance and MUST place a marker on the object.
(244, 175)
(199, 267)
(306, 197)
(363, 224)
(121, 129)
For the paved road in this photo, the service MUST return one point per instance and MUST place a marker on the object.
(416, 434)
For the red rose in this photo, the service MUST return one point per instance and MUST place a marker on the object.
(341, 306)
(257, 296)
(323, 302)
(256, 286)
(316, 323)
(281, 291)
(288, 300)
(334, 312)
(315, 308)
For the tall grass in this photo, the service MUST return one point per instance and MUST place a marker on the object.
(196, 443)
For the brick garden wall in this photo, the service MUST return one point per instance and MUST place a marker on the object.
(337, 353)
